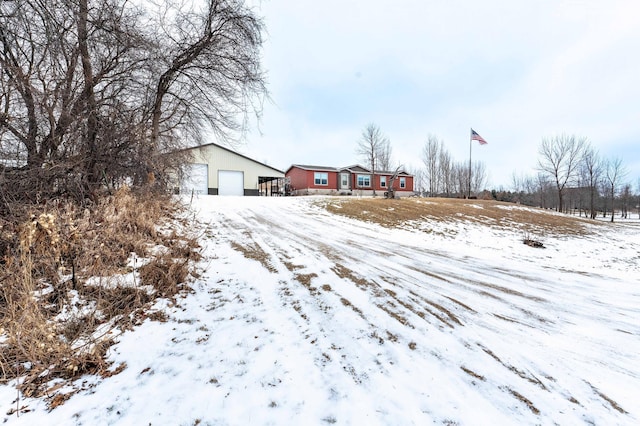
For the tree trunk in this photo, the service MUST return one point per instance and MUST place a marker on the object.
(613, 211)
(92, 174)
(560, 197)
(373, 178)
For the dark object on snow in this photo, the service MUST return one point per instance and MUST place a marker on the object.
(533, 243)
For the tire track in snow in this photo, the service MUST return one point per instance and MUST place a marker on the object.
(313, 328)
(389, 304)
(401, 288)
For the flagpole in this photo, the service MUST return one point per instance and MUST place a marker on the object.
(470, 140)
(474, 136)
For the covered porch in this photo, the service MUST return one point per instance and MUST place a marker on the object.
(272, 186)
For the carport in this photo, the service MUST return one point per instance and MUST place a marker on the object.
(272, 186)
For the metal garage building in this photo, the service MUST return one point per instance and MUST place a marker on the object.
(216, 170)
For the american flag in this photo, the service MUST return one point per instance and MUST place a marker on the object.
(476, 137)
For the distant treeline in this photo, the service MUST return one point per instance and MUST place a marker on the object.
(572, 178)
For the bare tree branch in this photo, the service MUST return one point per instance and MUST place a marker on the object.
(560, 158)
(369, 146)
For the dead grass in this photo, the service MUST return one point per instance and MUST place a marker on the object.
(389, 309)
(473, 373)
(408, 211)
(56, 290)
(166, 273)
(346, 273)
(613, 403)
(255, 252)
(524, 400)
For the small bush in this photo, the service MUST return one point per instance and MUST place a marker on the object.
(528, 240)
(165, 274)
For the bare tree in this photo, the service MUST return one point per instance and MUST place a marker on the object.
(517, 182)
(460, 174)
(98, 90)
(369, 146)
(430, 157)
(445, 164)
(560, 158)
(418, 180)
(384, 156)
(543, 186)
(591, 171)
(47, 96)
(626, 198)
(210, 68)
(478, 176)
(614, 172)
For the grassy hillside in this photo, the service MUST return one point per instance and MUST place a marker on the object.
(407, 212)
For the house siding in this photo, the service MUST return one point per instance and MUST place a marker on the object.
(332, 180)
(378, 187)
(303, 182)
(219, 158)
(297, 178)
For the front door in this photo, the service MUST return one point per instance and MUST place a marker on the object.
(344, 181)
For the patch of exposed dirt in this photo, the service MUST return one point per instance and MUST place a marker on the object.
(344, 272)
(522, 374)
(524, 400)
(255, 252)
(305, 280)
(613, 403)
(473, 373)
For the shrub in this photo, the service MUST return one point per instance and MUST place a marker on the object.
(67, 271)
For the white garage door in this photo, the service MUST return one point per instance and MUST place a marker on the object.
(196, 179)
(230, 182)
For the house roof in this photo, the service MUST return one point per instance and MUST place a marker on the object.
(233, 152)
(322, 168)
(356, 168)
(391, 172)
(312, 168)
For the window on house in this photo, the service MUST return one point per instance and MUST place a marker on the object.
(383, 181)
(364, 181)
(321, 178)
(403, 182)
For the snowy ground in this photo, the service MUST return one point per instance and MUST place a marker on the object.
(303, 317)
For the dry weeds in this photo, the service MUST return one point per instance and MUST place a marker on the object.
(255, 252)
(524, 400)
(613, 403)
(473, 373)
(56, 292)
(409, 211)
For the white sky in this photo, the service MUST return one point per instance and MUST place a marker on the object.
(516, 71)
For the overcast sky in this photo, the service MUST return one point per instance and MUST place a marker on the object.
(516, 71)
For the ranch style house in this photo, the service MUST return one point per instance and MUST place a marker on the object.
(351, 180)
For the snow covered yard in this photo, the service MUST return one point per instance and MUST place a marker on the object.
(302, 316)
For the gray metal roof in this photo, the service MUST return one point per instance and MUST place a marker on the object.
(356, 168)
(315, 168)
